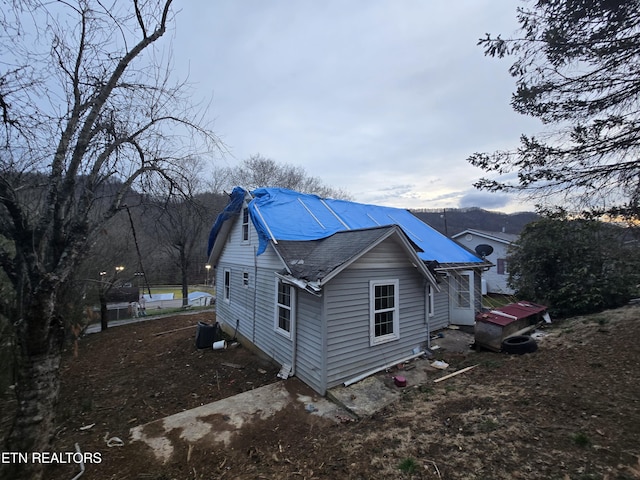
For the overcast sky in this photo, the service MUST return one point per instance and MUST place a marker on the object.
(385, 99)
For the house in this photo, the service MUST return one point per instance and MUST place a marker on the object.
(494, 279)
(332, 289)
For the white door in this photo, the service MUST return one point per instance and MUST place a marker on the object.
(461, 298)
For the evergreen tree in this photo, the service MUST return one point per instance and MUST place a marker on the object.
(576, 69)
(574, 266)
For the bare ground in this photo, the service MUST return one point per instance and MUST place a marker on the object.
(571, 410)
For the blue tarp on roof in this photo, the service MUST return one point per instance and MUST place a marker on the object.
(283, 214)
(233, 208)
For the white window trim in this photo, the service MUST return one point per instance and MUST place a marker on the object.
(396, 312)
(246, 279)
(226, 288)
(291, 308)
(245, 226)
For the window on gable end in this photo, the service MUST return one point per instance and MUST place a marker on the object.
(502, 267)
(227, 285)
(245, 224)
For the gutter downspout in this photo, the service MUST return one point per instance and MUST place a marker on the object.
(294, 335)
(426, 312)
(255, 295)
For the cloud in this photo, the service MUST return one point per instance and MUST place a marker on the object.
(486, 200)
(385, 100)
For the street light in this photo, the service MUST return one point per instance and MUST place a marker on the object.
(139, 275)
(208, 267)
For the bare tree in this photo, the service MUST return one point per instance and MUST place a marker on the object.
(179, 225)
(111, 262)
(258, 171)
(85, 98)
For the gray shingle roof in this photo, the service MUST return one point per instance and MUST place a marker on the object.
(313, 260)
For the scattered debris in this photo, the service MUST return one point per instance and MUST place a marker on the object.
(172, 331)
(455, 373)
(285, 371)
(189, 453)
(344, 419)
(87, 427)
(81, 472)
(537, 335)
(400, 381)
(439, 364)
(435, 467)
(310, 407)
(232, 365)
(113, 441)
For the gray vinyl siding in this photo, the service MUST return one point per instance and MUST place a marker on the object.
(252, 307)
(238, 257)
(330, 332)
(265, 337)
(477, 287)
(440, 318)
(310, 343)
(349, 352)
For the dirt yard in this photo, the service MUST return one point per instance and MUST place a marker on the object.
(571, 410)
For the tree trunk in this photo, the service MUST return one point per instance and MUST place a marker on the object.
(37, 388)
(184, 266)
(104, 320)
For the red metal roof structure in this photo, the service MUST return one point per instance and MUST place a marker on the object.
(511, 313)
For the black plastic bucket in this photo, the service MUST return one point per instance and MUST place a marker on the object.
(207, 335)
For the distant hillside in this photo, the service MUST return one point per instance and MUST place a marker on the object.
(454, 220)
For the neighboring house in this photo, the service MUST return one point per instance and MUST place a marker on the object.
(495, 279)
(334, 289)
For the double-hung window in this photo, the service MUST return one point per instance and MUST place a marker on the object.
(284, 308)
(245, 224)
(384, 311)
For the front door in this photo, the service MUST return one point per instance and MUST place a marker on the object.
(461, 298)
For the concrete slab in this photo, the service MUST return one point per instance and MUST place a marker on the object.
(378, 391)
(217, 421)
(452, 340)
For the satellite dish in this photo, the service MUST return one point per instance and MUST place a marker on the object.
(483, 250)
